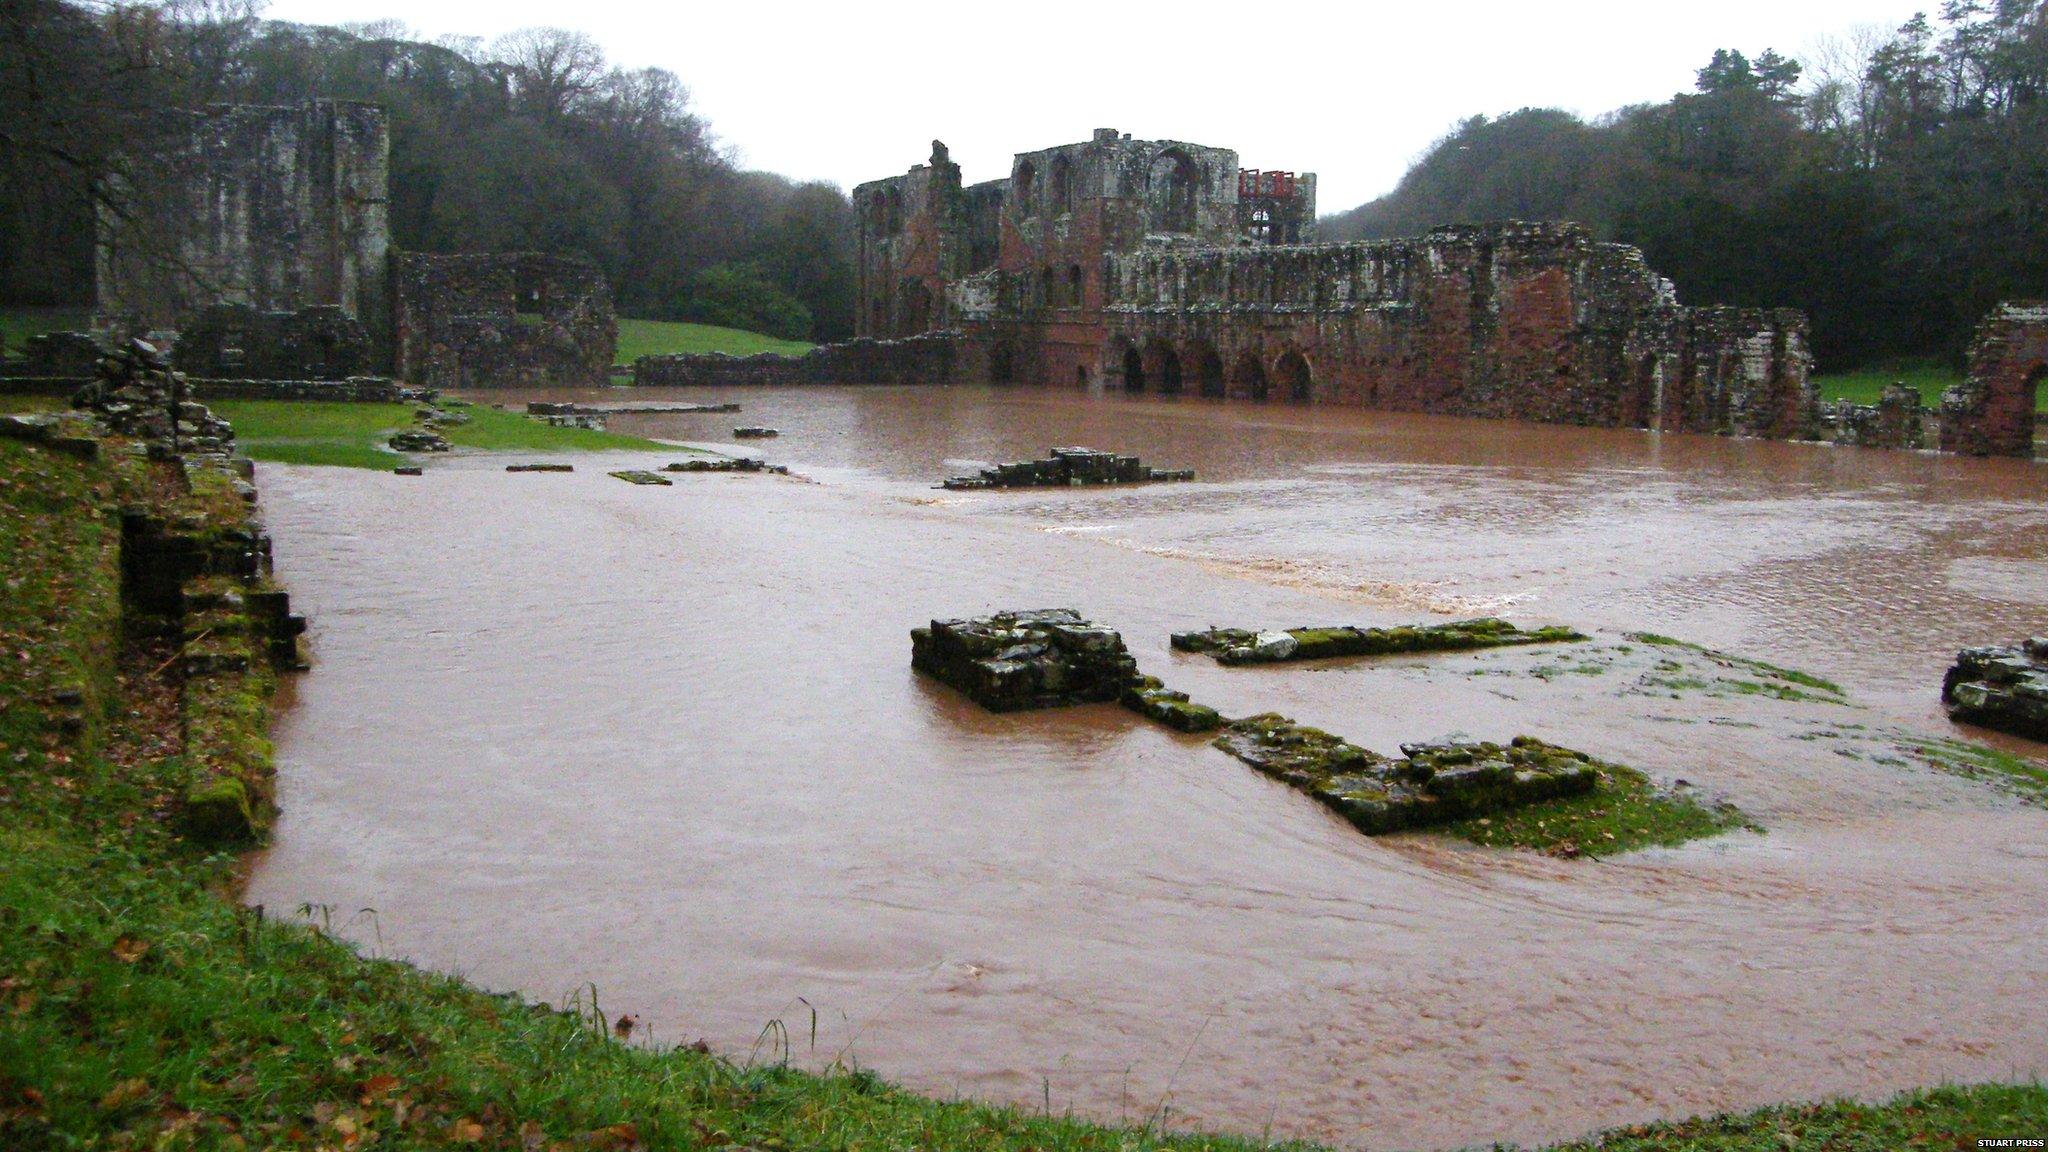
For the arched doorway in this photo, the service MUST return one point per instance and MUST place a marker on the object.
(1248, 378)
(1002, 364)
(1134, 371)
(1208, 369)
(1162, 366)
(1294, 378)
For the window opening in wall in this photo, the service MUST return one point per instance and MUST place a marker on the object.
(1175, 182)
(1074, 286)
(1208, 371)
(1062, 187)
(1248, 377)
(1002, 364)
(1134, 371)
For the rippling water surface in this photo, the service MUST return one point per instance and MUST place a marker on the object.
(565, 731)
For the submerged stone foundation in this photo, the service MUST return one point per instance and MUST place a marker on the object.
(1244, 646)
(2001, 687)
(1065, 468)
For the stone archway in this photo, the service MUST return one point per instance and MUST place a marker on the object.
(1002, 363)
(1248, 378)
(1162, 366)
(1291, 373)
(1134, 370)
(1208, 367)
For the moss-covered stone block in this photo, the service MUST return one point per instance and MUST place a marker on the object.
(1432, 784)
(1010, 661)
(1170, 708)
(2002, 688)
(1244, 646)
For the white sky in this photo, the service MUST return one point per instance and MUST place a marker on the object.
(856, 90)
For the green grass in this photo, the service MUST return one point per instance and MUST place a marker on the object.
(14, 402)
(18, 324)
(639, 338)
(1623, 813)
(2017, 774)
(1782, 683)
(1864, 386)
(142, 1008)
(353, 435)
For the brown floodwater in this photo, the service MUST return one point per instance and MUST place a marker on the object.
(565, 732)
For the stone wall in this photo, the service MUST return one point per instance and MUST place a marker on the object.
(1897, 420)
(238, 341)
(933, 358)
(277, 208)
(1991, 413)
(501, 321)
(356, 390)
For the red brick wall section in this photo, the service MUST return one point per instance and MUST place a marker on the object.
(1991, 413)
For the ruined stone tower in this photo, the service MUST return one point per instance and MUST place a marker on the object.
(277, 208)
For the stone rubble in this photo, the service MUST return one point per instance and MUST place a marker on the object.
(637, 476)
(1066, 467)
(2005, 688)
(1011, 661)
(755, 432)
(727, 464)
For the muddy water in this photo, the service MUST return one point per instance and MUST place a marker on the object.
(564, 731)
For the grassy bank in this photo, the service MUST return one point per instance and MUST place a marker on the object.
(141, 1007)
(18, 324)
(1865, 385)
(354, 435)
(639, 338)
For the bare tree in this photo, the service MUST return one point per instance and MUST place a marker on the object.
(551, 69)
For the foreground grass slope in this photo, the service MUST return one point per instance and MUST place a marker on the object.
(141, 1007)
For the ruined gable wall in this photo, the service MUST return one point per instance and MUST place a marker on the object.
(487, 321)
(1992, 412)
(279, 208)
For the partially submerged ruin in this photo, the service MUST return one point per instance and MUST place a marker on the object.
(1068, 468)
(1273, 646)
(1993, 411)
(2001, 687)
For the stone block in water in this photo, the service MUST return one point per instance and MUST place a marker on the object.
(1012, 661)
(1066, 467)
(1433, 784)
(1244, 646)
(2001, 687)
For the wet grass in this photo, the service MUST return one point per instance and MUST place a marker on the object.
(1866, 385)
(1625, 812)
(2025, 778)
(354, 435)
(1773, 681)
(19, 323)
(639, 338)
(141, 1008)
(15, 402)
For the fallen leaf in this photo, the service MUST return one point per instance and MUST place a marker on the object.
(377, 1086)
(623, 1028)
(125, 1093)
(465, 1131)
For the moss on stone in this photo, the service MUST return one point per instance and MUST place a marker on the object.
(1242, 646)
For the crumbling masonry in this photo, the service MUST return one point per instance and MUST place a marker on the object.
(1992, 412)
(1160, 266)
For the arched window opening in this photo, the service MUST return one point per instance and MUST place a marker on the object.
(1162, 366)
(1248, 378)
(917, 307)
(1048, 288)
(1295, 380)
(1081, 375)
(1073, 286)
(1002, 364)
(893, 212)
(1062, 201)
(1134, 371)
(1176, 181)
(1208, 370)
(1023, 188)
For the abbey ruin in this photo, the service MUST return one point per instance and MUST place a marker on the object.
(1161, 266)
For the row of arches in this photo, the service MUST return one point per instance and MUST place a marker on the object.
(1159, 367)
(1059, 189)
(1173, 191)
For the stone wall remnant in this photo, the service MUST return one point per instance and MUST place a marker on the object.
(1897, 420)
(276, 208)
(932, 358)
(1018, 660)
(2001, 687)
(238, 341)
(1992, 412)
(502, 321)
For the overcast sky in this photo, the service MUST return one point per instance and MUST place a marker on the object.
(856, 90)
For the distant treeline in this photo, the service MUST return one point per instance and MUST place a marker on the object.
(1894, 185)
(530, 142)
